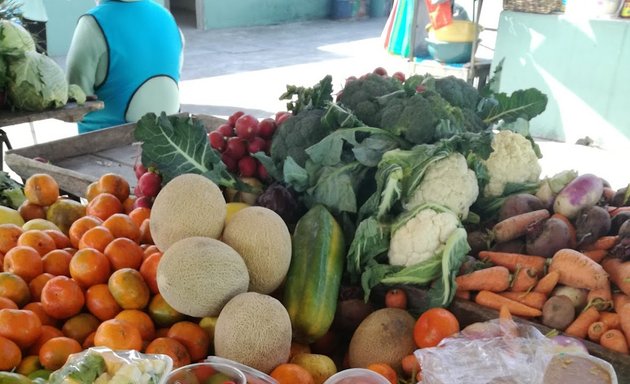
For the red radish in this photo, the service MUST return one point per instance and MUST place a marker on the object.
(137, 191)
(150, 184)
(217, 140)
(233, 117)
(226, 130)
(257, 144)
(246, 127)
(380, 71)
(235, 148)
(282, 117)
(247, 166)
(266, 128)
(143, 201)
(230, 163)
(262, 172)
(139, 170)
(399, 75)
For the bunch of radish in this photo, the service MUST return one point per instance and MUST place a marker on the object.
(148, 185)
(239, 138)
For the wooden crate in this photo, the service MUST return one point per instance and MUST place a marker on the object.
(77, 161)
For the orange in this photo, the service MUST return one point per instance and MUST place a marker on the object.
(37, 284)
(140, 320)
(57, 262)
(92, 190)
(114, 184)
(170, 347)
(103, 206)
(10, 354)
(410, 365)
(61, 239)
(30, 211)
(14, 287)
(434, 325)
(117, 334)
(9, 234)
(89, 266)
(37, 308)
(41, 189)
(129, 204)
(121, 225)
(62, 297)
(37, 239)
(289, 373)
(97, 238)
(20, 325)
(79, 326)
(193, 337)
(145, 232)
(7, 303)
(148, 270)
(101, 303)
(129, 288)
(89, 341)
(162, 313)
(124, 253)
(149, 249)
(138, 214)
(48, 332)
(54, 353)
(80, 226)
(384, 370)
(24, 261)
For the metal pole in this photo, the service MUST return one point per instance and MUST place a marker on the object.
(476, 16)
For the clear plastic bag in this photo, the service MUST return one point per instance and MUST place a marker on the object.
(100, 365)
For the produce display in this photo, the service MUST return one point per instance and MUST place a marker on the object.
(330, 237)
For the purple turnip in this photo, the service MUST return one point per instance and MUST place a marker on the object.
(582, 192)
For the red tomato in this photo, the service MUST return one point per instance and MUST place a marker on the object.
(396, 298)
(433, 326)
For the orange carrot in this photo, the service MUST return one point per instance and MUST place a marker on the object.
(614, 340)
(506, 322)
(611, 319)
(571, 226)
(547, 283)
(514, 261)
(494, 279)
(603, 243)
(504, 313)
(620, 300)
(516, 226)
(532, 299)
(579, 326)
(619, 272)
(495, 301)
(523, 280)
(624, 321)
(597, 255)
(577, 270)
(462, 294)
(596, 330)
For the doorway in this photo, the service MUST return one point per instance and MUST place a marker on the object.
(188, 13)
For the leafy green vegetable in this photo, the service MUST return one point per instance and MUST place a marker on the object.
(177, 145)
(76, 93)
(15, 40)
(302, 98)
(361, 96)
(454, 254)
(522, 103)
(11, 192)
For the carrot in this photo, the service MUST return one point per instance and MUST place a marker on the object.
(514, 261)
(506, 322)
(600, 298)
(462, 294)
(579, 326)
(614, 340)
(596, 330)
(504, 313)
(547, 283)
(577, 270)
(624, 320)
(619, 272)
(571, 226)
(620, 300)
(532, 299)
(523, 280)
(494, 279)
(611, 319)
(516, 226)
(597, 255)
(495, 301)
(603, 243)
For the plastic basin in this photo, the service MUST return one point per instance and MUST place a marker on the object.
(449, 52)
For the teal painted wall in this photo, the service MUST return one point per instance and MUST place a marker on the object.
(241, 13)
(583, 66)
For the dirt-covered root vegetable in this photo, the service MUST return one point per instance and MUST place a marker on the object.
(591, 223)
(558, 312)
(578, 270)
(547, 237)
(617, 221)
(478, 240)
(512, 246)
(582, 192)
(516, 226)
(620, 198)
(519, 203)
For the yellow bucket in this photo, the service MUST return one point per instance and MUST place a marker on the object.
(458, 31)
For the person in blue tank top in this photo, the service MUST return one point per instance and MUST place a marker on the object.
(129, 54)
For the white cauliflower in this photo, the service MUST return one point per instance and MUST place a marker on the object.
(513, 160)
(448, 182)
(422, 236)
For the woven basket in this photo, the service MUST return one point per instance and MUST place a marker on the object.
(532, 6)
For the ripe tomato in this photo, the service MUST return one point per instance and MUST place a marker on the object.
(396, 298)
(433, 326)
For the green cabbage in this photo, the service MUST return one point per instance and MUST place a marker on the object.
(15, 40)
(36, 83)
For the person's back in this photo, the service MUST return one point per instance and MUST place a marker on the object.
(127, 53)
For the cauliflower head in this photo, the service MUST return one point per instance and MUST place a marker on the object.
(513, 160)
(448, 182)
(421, 237)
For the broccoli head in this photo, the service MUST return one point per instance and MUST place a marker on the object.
(360, 96)
(457, 92)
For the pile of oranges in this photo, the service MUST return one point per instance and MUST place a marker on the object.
(88, 282)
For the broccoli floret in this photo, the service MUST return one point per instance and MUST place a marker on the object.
(361, 95)
(457, 92)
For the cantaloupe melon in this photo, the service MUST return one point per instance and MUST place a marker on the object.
(255, 330)
(262, 238)
(188, 205)
(197, 276)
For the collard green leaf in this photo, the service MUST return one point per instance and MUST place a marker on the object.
(523, 103)
(335, 187)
